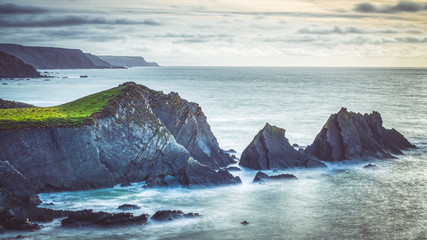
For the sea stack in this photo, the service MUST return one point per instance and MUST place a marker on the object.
(271, 149)
(349, 135)
(111, 137)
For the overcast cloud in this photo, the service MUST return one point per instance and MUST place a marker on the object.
(224, 32)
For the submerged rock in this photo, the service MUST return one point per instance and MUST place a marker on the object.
(172, 214)
(348, 135)
(271, 149)
(89, 218)
(244, 223)
(262, 177)
(370, 165)
(128, 207)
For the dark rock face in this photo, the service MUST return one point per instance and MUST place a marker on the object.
(9, 221)
(128, 61)
(262, 177)
(348, 135)
(49, 57)
(128, 207)
(271, 149)
(5, 104)
(13, 67)
(89, 218)
(187, 123)
(233, 169)
(172, 214)
(15, 185)
(199, 174)
(127, 142)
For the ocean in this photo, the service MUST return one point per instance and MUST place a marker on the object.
(344, 201)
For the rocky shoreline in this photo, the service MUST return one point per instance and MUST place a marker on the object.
(164, 140)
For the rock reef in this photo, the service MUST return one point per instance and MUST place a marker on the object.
(271, 149)
(348, 135)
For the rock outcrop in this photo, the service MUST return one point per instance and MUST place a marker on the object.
(86, 218)
(349, 135)
(169, 215)
(187, 123)
(13, 67)
(124, 142)
(128, 61)
(262, 177)
(99, 62)
(271, 149)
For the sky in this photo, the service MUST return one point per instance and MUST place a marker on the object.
(227, 32)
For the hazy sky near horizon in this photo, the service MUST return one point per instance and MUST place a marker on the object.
(224, 32)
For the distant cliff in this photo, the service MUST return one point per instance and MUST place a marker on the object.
(13, 67)
(110, 137)
(128, 61)
(49, 57)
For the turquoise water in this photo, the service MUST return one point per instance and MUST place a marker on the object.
(344, 201)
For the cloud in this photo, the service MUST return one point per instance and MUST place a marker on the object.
(73, 21)
(10, 8)
(403, 6)
(411, 40)
(334, 30)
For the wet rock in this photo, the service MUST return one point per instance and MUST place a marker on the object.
(233, 168)
(271, 149)
(9, 221)
(199, 174)
(128, 207)
(370, 165)
(125, 184)
(172, 214)
(349, 135)
(262, 177)
(89, 218)
(244, 223)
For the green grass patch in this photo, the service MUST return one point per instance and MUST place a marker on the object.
(74, 113)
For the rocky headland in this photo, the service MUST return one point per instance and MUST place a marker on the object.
(128, 61)
(348, 135)
(13, 67)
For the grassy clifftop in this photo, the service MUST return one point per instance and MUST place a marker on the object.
(76, 113)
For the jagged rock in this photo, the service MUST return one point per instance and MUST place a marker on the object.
(271, 149)
(88, 218)
(197, 173)
(187, 123)
(13, 67)
(349, 135)
(127, 141)
(172, 214)
(128, 207)
(370, 165)
(262, 177)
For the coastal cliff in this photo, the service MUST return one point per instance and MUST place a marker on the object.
(49, 57)
(128, 61)
(13, 67)
(66, 148)
(348, 135)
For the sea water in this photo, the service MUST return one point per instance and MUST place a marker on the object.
(344, 201)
